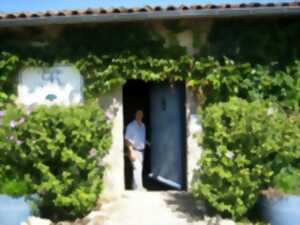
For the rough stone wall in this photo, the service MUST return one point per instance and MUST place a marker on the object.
(192, 35)
(193, 127)
(112, 103)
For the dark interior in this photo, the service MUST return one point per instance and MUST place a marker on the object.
(136, 96)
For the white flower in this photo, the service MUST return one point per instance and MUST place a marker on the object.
(12, 137)
(270, 111)
(12, 124)
(229, 154)
(93, 152)
(109, 115)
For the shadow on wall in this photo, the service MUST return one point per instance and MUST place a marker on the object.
(255, 40)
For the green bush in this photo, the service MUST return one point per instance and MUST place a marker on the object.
(57, 151)
(287, 181)
(14, 186)
(222, 79)
(244, 145)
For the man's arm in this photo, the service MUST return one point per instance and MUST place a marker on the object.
(129, 144)
(131, 154)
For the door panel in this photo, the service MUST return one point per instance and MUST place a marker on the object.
(168, 134)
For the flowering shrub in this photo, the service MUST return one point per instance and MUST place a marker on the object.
(245, 144)
(57, 151)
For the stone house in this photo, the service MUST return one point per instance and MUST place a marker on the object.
(170, 110)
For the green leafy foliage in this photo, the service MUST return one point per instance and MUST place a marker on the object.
(57, 152)
(220, 80)
(13, 186)
(216, 80)
(108, 55)
(8, 67)
(288, 180)
(254, 60)
(244, 145)
(255, 40)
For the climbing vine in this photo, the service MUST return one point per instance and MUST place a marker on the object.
(108, 55)
(212, 80)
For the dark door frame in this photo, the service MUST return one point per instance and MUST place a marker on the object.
(183, 125)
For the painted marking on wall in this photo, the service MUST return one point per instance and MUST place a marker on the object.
(61, 84)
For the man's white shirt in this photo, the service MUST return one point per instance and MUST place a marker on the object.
(136, 134)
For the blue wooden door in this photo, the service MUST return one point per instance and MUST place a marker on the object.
(167, 120)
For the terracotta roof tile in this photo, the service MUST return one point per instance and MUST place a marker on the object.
(49, 13)
(183, 7)
(158, 8)
(140, 9)
(196, 7)
(145, 9)
(172, 8)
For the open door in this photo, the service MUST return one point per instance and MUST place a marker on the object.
(167, 118)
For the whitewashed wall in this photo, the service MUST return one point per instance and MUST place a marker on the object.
(193, 127)
(114, 184)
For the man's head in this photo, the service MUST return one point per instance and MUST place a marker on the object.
(139, 115)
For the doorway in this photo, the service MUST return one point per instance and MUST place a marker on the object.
(164, 117)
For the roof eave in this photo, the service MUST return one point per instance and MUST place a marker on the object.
(145, 16)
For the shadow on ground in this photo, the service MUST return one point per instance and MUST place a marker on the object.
(184, 203)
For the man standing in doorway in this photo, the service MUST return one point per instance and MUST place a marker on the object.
(135, 139)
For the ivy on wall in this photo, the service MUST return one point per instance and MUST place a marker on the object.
(261, 40)
(108, 55)
(213, 80)
(8, 67)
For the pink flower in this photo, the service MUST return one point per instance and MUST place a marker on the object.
(2, 113)
(18, 142)
(109, 115)
(13, 124)
(93, 152)
(29, 109)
